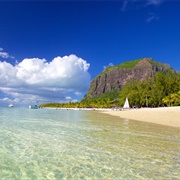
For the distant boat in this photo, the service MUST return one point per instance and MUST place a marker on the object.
(11, 105)
(126, 104)
(33, 106)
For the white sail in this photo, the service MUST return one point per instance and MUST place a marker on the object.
(126, 104)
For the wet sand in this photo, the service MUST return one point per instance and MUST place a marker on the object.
(169, 116)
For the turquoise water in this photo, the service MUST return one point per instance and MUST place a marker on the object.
(69, 144)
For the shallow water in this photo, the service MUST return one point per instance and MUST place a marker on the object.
(68, 144)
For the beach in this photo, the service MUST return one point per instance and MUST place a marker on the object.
(169, 116)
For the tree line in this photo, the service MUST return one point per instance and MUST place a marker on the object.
(153, 92)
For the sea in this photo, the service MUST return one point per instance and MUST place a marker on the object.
(55, 144)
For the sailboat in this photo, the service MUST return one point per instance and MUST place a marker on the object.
(126, 104)
(11, 105)
(35, 106)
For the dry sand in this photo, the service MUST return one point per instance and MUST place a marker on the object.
(169, 116)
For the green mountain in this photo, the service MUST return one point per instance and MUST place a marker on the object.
(114, 78)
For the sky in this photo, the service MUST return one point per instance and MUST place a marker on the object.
(50, 51)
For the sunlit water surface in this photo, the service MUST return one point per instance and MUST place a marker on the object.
(69, 144)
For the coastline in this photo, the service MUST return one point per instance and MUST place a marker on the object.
(168, 116)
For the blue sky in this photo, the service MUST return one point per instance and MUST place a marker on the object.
(51, 50)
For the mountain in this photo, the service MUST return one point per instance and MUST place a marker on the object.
(113, 78)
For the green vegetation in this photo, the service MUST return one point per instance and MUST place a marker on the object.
(152, 91)
(105, 100)
(172, 99)
(161, 90)
(129, 64)
(108, 68)
(108, 99)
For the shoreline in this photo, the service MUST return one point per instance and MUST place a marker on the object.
(168, 116)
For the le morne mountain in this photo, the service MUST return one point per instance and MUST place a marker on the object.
(113, 78)
(145, 82)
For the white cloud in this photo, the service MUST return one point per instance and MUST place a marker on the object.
(139, 4)
(5, 54)
(36, 79)
(154, 2)
(124, 6)
(152, 17)
(68, 98)
(78, 93)
(6, 100)
(74, 100)
(144, 3)
(110, 64)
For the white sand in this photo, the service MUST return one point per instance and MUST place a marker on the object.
(169, 116)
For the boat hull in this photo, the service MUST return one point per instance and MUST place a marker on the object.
(33, 107)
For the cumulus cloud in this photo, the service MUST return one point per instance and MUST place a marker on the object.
(37, 79)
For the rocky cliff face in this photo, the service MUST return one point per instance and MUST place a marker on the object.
(115, 77)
